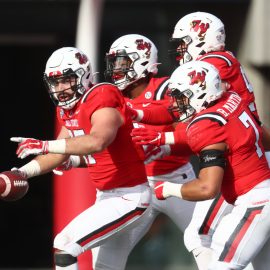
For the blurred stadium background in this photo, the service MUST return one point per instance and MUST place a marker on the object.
(30, 31)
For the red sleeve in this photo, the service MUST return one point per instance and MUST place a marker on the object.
(204, 133)
(181, 145)
(158, 115)
(104, 96)
(227, 72)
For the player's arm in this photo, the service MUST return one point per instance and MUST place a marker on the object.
(158, 115)
(105, 123)
(208, 183)
(44, 164)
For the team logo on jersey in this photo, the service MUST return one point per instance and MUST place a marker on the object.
(148, 95)
(82, 58)
(198, 77)
(129, 104)
(199, 26)
(71, 123)
(143, 45)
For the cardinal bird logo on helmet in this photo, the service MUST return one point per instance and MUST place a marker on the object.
(81, 57)
(198, 77)
(198, 25)
(143, 45)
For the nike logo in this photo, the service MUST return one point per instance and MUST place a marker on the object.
(146, 104)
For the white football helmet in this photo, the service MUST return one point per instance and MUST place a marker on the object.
(130, 58)
(196, 34)
(193, 87)
(66, 63)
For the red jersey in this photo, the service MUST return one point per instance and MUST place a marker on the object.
(231, 71)
(119, 165)
(157, 90)
(231, 121)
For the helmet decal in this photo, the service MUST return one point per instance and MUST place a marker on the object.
(197, 25)
(81, 57)
(198, 78)
(143, 45)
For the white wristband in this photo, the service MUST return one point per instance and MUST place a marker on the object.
(31, 169)
(75, 161)
(172, 189)
(57, 146)
(169, 138)
(140, 115)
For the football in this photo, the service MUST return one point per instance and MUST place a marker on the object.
(13, 186)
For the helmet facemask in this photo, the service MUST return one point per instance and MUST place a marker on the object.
(180, 107)
(120, 68)
(180, 49)
(69, 96)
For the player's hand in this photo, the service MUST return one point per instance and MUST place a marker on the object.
(30, 146)
(133, 113)
(145, 136)
(158, 188)
(156, 152)
(65, 166)
(72, 162)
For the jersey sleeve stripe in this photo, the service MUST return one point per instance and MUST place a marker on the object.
(161, 91)
(210, 116)
(227, 60)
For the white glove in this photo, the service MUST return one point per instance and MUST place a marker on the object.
(30, 146)
(157, 152)
(72, 162)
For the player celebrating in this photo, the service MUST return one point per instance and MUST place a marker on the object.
(201, 36)
(95, 123)
(131, 64)
(228, 141)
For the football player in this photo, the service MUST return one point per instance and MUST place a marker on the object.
(94, 124)
(201, 36)
(227, 138)
(132, 65)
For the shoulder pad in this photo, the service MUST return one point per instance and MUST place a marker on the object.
(214, 117)
(94, 87)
